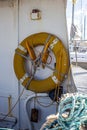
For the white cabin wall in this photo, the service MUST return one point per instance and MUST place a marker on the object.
(12, 32)
(8, 43)
(53, 13)
(53, 18)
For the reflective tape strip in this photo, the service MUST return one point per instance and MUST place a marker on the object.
(22, 48)
(55, 79)
(55, 41)
(23, 78)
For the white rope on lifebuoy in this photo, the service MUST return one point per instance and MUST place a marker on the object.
(60, 69)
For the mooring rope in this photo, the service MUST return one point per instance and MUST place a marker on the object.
(72, 113)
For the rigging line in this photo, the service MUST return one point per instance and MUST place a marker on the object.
(28, 83)
(50, 59)
(68, 78)
(51, 103)
(18, 30)
(25, 57)
(49, 67)
(82, 40)
(38, 63)
(1, 120)
(38, 60)
(79, 73)
(54, 70)
(40, 56)
(58, 98)
(48, 38)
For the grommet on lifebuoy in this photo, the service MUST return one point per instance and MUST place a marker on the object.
(62, 63)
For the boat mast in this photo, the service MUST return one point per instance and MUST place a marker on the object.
(73, 2)
(72, 23)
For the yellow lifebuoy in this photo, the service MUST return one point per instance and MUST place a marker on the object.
(61, 67)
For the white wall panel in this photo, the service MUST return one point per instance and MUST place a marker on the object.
(53, 18)
(52, 21)
(8, 43)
